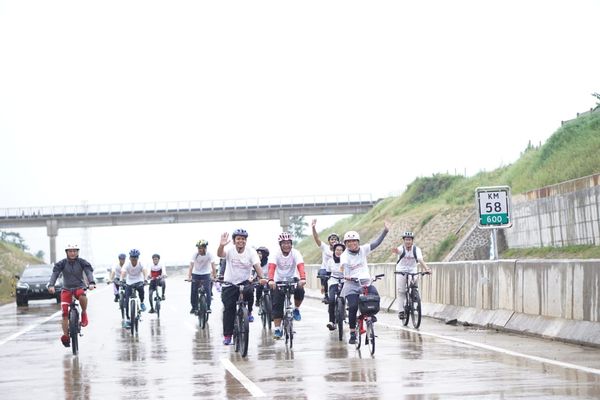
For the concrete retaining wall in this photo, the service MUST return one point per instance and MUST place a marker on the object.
(559, 299)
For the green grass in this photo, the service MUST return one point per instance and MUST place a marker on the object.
(12, 261)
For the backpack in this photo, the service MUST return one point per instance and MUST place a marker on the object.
(414, 251)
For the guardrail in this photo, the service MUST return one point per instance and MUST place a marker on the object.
(184, 206)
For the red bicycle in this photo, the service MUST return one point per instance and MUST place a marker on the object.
(368, 306)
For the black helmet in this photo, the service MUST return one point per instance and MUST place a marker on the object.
(333, 235)
(264, 251)
(339, 244)
(156, 255)
(239, 232)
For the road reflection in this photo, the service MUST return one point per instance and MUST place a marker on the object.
(76, 384)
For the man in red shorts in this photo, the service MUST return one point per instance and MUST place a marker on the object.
(72, 269)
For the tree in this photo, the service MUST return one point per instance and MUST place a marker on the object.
(40, 254)
(597, 96)
(297, 226)
(14, 238)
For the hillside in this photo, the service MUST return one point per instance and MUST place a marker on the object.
(436, 207)
(12, 261)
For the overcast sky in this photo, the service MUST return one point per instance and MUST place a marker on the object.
(135, 101)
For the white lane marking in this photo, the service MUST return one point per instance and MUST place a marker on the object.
(29, 328)
(488, 347)
(248, 384)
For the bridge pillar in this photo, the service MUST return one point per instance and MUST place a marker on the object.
(284, 221)
(52, 230)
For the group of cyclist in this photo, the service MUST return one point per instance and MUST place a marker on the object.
(242, 265)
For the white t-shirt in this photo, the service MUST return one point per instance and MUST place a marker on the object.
(239, 265)
(117, 270)
(133, 274)
(327, 254)
(286, 267)
(408, 262)
(355, 265)
(334, 268)
(202, 263)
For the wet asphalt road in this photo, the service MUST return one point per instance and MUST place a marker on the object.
(173, 358)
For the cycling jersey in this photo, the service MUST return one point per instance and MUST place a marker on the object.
(72, 272)
(287, 267)
(157, 270)
(238, 267)
(203, 263)
(133, 274)
(409, 262)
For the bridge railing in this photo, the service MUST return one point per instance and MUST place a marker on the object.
(185, 206)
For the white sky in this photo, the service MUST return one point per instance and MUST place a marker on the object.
(134, 101)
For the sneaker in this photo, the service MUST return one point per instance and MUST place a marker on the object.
(331, 326)
(193, 311)
(227, 340)
(401, 315)
(325, 300)
(259, 311)
(250, 318)
(352, 338)
(374, 318)
(116, 298)
(65, 340)
(84, 319)
(257, 303)
(151, 311)
(126, 324)
(278, 334)
(143, 307)
(162, 297)
(209, 311)
(297, 315)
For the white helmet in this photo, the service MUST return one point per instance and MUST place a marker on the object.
(72, 247)
(351, 235)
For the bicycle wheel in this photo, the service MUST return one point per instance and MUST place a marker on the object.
(74, 330)
(244, 331)
(416, 309)
(122, 304)
(132, 316)
(268, 309)
(339, 317)
(370, 337)
(202, 311)
(157, 307)
(407, 307)
(236, 332)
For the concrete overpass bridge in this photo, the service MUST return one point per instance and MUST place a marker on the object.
(173, 212)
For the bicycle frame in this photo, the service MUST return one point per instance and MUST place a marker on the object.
(241, 325)
(412, 298)
(288, 287)
(74, 322)
(154, 291)
(368, 320)
(134, 310)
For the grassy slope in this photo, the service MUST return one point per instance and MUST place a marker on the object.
(427, 205)
(12, 261)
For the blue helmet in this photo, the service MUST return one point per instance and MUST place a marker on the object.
(122, 256)
(134, 253)
(239, 232)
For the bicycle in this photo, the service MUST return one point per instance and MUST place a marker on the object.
(121, 297)
(368, 306)
(134, 310)
(266, 307)
(288, 287)
(154, 291)
(74, 322)
(340, 306)
(412, 302)
(241, 325)
(202, 312)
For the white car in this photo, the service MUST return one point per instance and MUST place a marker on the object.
(101, 274)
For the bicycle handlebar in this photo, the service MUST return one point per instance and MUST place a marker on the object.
(412, 273)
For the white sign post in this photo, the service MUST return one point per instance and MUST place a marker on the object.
(493, 204)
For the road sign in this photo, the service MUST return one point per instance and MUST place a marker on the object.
(493, 204)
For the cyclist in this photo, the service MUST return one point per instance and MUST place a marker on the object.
(288, 263)
(333, 267)
(239, 261)
(263, 254)
(115, 275)
(135, 276)
(73, 270)
(409, 255)
(202, 269)
(353, 262)
(158, 272)
(327, 253)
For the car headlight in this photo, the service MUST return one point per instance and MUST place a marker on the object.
(21, 285)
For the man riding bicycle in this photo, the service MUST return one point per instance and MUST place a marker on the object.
(202, 269)
(326, 254)
(73, 269)
(287, 264)
(409, 256)
(134, 275)
(158, 275)
(333, 268)
(115, 275)
(239, 261)
(354, 264)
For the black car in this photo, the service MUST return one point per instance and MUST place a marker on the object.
(32, 284)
